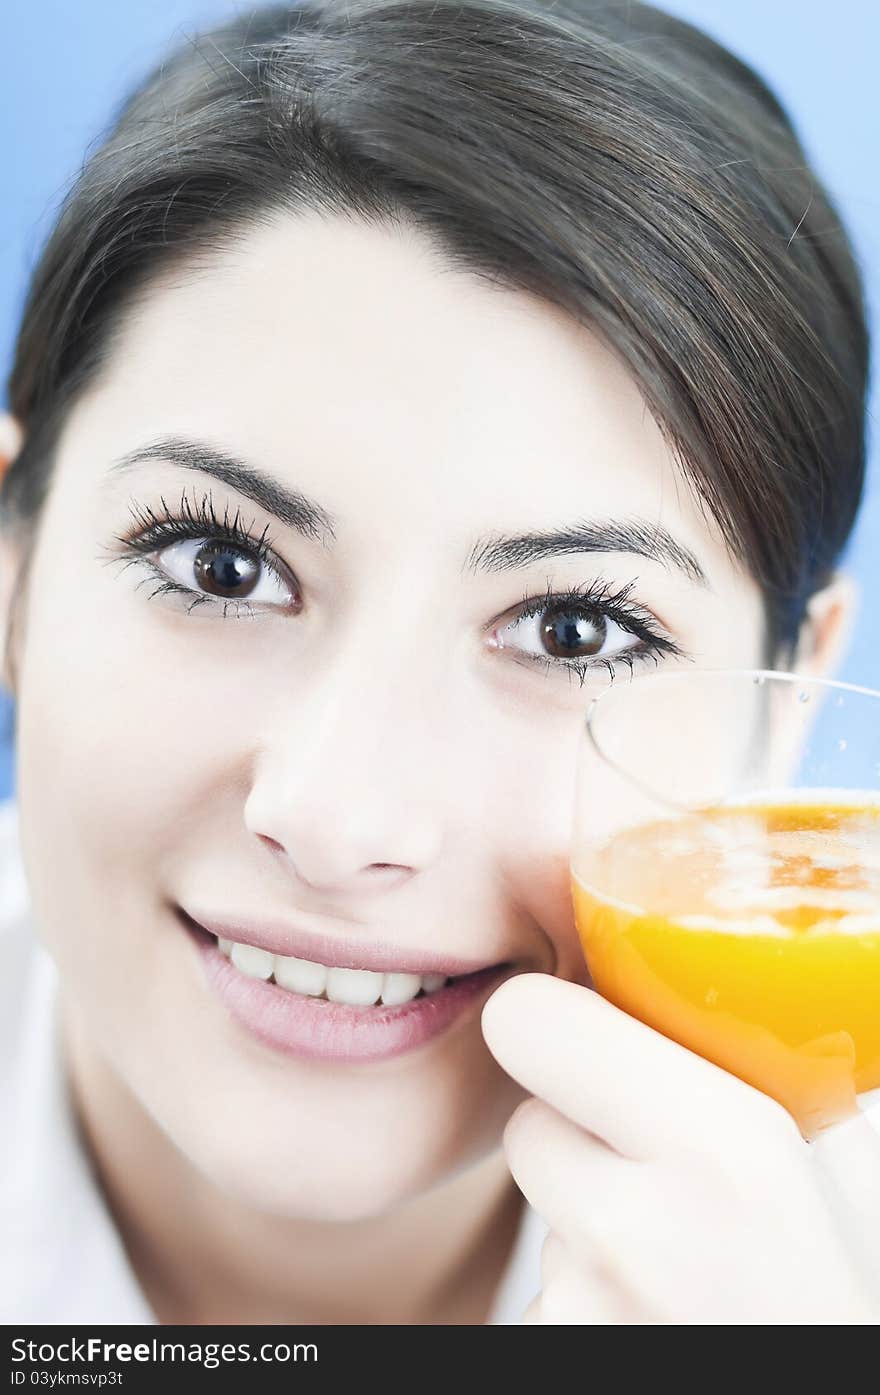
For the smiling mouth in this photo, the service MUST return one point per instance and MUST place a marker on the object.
(329, 983)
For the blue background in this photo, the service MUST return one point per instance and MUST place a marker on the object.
(68, 65)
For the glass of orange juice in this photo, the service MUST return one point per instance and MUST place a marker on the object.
(725, 874)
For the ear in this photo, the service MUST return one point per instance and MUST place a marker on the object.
(11, 440)
(827, 627)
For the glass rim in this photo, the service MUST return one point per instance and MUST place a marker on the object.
(785, 675)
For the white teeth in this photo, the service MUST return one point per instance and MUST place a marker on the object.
(357, 987)
(301, 975)
(399, 988)
(256, 963)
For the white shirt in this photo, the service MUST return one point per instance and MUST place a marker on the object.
(61, 1256)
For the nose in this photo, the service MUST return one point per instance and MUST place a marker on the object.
(349, 788)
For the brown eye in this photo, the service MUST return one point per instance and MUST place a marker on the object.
(571, 634)
(224, 571)
(565, 635)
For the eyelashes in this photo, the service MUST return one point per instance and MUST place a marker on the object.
(600, 601)
(596, 602)
(154, 532)
(158, 530)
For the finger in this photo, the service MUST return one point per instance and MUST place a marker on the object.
(672, 1240)
(572, 1180)
(621, 1227)
(601, 1298)
(640, 1092)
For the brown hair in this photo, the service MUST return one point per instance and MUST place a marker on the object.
(610, 158)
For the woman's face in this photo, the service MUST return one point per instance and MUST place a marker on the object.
(374, 743)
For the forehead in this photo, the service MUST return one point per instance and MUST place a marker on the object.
(358, 364)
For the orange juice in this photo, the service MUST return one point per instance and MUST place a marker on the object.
(750, 933)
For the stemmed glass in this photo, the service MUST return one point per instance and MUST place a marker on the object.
(725, 874)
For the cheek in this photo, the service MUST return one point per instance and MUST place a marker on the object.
(122, 741)
(108, 744)
(534, 815)
(131, 717)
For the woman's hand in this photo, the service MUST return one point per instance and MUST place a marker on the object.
(674, 1192)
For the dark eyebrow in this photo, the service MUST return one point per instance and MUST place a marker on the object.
(292, 508)
(493, 554)
(501, 554)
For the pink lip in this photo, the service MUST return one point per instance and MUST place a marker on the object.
(336, 953)
(316, 1029)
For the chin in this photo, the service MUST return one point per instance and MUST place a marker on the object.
(314, 1178)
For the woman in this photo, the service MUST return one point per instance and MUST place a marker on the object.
(389, 367)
